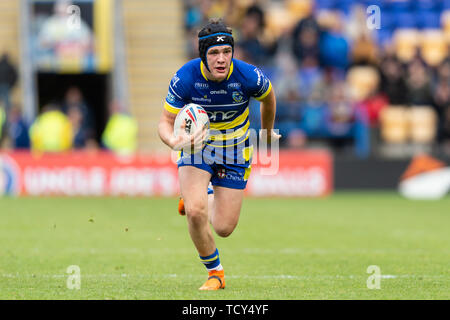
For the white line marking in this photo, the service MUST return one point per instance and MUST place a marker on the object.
(269, 277)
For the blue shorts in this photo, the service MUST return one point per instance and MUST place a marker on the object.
(230, 173)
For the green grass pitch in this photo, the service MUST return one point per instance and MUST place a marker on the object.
(139, 248)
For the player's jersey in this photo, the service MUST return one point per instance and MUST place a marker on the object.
(226, 102)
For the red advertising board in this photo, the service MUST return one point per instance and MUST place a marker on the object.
(299, 174)
(293, 173)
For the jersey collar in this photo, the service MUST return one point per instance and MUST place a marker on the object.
(204, 75)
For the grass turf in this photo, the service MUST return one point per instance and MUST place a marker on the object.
(139, 248)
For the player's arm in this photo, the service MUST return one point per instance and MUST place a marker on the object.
(262, 90)
(268, 110)
(182, 140)
(165, 128)
(176, 99)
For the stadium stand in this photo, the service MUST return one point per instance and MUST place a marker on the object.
(331, 45)
(154, 52)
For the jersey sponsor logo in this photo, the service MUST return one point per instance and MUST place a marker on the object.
(221, 115)
(231, 175)
(218, 92)
(200, 99)
(170, 97)
(200, 85)
(237, 96)
(234, 85)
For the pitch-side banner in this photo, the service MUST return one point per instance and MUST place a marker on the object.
(293, 173)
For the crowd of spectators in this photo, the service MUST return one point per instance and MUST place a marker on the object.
(68, 125)
(333, 75)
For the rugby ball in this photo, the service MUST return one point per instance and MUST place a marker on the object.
(194, 115)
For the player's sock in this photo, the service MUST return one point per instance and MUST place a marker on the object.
(212, 262)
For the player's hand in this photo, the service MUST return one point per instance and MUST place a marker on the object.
(264, 136)
(193, 142)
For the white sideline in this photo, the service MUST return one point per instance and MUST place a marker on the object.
(281, 276)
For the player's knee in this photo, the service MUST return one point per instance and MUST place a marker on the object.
(196, 212)
(224, 230)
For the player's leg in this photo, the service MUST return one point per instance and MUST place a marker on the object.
(229, 183)
(193, 183)
(210, 203)
(226, 209)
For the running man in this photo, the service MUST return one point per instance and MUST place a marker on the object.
(223, 86)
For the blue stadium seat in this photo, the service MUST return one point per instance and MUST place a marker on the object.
(325, 4)
(383, 36)
(345, 6)
(405, 20)
(428, 19)
(399, 5)
(381, 3)
(427, 5)
(388, 20)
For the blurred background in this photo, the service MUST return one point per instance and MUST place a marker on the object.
(367, 86)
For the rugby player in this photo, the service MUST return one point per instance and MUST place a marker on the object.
(223, 86)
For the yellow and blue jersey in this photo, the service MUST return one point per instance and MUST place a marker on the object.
(227, 105)
(226, 102)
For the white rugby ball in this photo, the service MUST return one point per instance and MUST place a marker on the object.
(194, 115)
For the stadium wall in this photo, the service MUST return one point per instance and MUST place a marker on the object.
(292, 174)
(368, 174)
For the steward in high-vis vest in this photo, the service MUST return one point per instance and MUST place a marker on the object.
(51, 131)
(120, 135)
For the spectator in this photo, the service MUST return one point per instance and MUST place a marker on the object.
(418, 84)
(51, 131)
(445, 133)
(81, 139)
(340, 111)
(18, 129)
(364, 51)
(8, 78)
(334, 48)
(193, 16)
(443, 72)
(393, 82)
(305, 42)
(252, 27)
(441, 97)
(286, 79)
(74, 100)
(120, 135)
